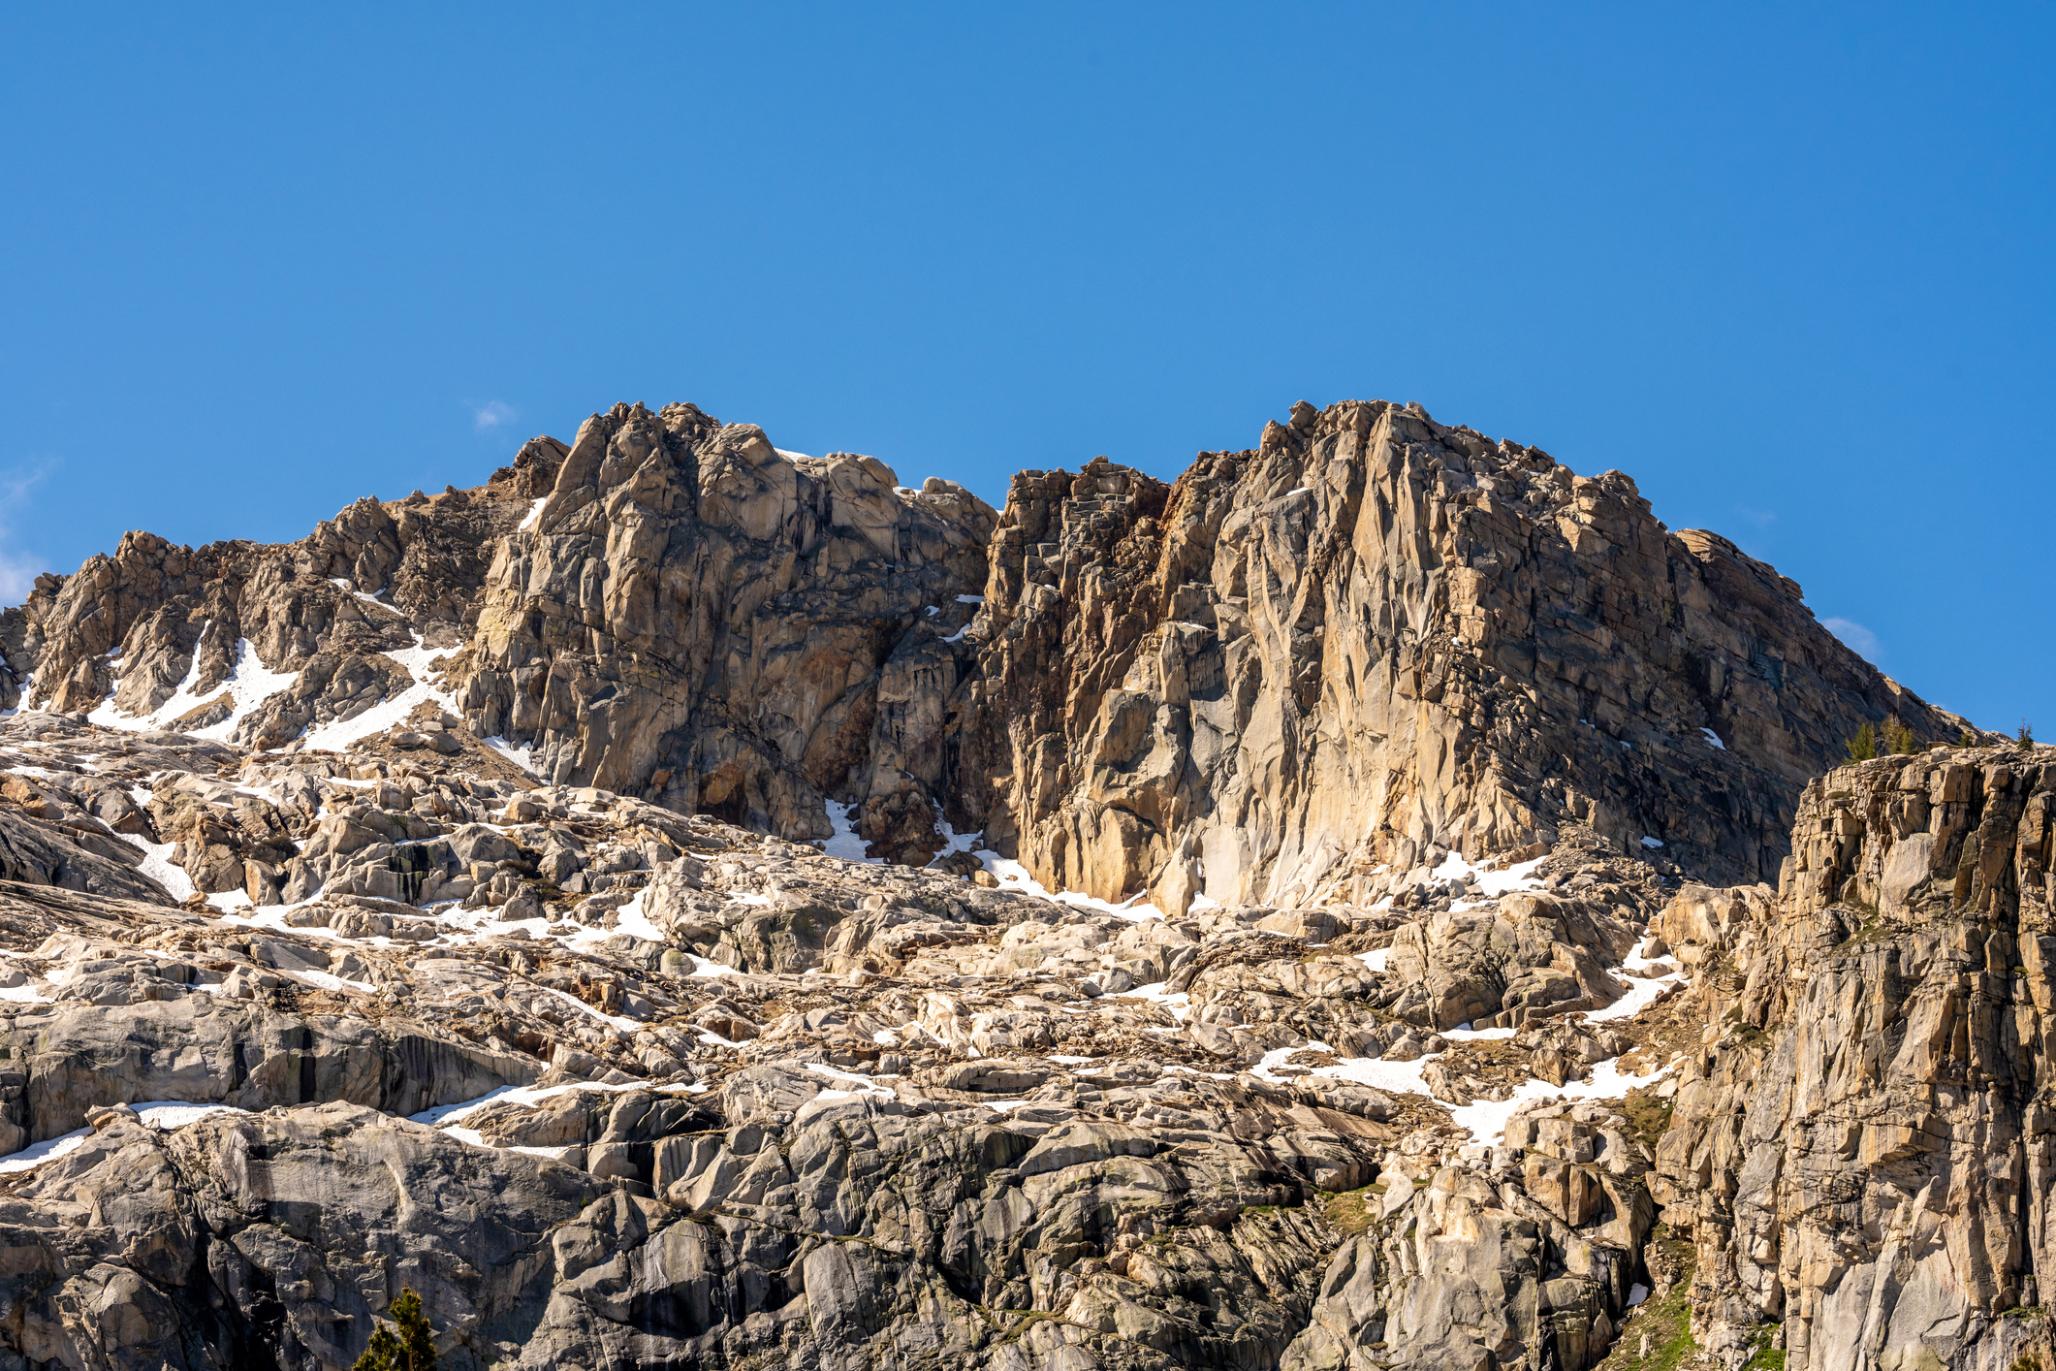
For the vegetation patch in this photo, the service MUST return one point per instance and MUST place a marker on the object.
(1351, 1212)
(1658, 1336)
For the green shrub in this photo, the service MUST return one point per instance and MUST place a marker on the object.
(1898, 738)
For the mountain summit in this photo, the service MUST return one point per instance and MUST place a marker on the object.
(1380, 900)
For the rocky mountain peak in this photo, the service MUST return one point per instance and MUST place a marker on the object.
(683, 902)
(1372, 638)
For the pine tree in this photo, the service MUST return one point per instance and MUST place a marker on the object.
(1898, 738)
(1864, 745)
(412, 1348)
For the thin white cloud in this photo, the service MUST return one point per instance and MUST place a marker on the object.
(18, 566)
(491, 415)
(1855, 636)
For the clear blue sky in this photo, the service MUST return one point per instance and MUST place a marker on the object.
(1789, 266)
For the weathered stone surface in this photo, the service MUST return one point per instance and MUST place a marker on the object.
(1859, 1147)
(441, 901)
(1373, 637)
(695, 616)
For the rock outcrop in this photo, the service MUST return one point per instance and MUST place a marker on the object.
(1861, 1148)
(692, 615)
(686, 904)
(1373, 637)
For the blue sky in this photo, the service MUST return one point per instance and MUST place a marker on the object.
(1789, 266)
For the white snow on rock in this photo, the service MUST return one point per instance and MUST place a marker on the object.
(35, 1154)
(521, 754)
(159, 867)
(1486, 1120)
(1643, 991)
(1713, 740)
(535, 512)
(618, 1021)
(1464, 1033)
(366, 596)
(163, 1115)
(849, 1087)
(1376, 958)
(338, 735)
(1491, 881)
(1011, 875)
(844, 842)
(1651, 843)
(325, 980)
(167, 1115)
(249, 684)
(1177, 1002)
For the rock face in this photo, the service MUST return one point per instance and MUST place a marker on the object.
(1374, 636)
(1299, 670)
(1861, 1149)
(585, 900)
(691, 614)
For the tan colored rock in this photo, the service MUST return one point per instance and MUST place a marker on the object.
(1375, 637)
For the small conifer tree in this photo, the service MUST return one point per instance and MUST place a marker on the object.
(1898, 738)
(1863, 744)
(405, 1345)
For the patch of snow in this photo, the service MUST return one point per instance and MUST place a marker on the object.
(849, 1087)
(418, 661)
(1178, 1002)
(1404, 1078)
(159, 867)
(954, 842)
(617, 1021)
(1376, 958)
(25, 993)
(1637, 1293)
(529, 1096)
(1651, 843)
(1713, 740)
(1011, 875)
(1486, 1120)
(535, 512)
(1643, 991)
(1491, 881)
(844, 841)
(249, 684)
(35, 1154)
(365, 596)
(323, 980)
(167, 1115)
(970, 599)
(522, 755)
(1464, 1033)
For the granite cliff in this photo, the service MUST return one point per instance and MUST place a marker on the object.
(1378, 901)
